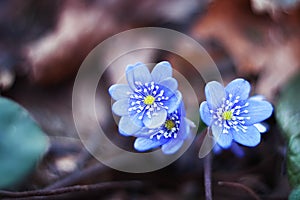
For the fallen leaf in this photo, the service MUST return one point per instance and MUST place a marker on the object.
(59, 54)
(274, 7)
(81, 26)
(257, 44)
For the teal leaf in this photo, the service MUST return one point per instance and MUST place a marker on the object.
(22, 143)
(293, 160)
(295, 194)
(288, 109)
(288, 118)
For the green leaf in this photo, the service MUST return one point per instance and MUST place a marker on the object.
(293, 160)
(295, 194)
(288, 109)
(288, 118)
(22, 143)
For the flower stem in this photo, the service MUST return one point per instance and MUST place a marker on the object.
(207, 176)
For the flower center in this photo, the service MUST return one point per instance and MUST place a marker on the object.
(149, 100)
(227, 115)
(169, 124)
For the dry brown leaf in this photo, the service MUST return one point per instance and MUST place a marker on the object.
(274, 7)
(59, 54)
(257, 44)
(81, 26)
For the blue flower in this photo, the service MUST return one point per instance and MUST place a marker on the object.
(232, 115)
(235, 149)
(170, 135)
(147, 99)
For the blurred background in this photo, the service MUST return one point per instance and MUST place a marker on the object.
(43, 43)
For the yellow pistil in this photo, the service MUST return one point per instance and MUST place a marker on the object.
(149, 100)
(227, 115)
(169, 124)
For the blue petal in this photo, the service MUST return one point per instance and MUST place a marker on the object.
(260, 127)
(137, 73)
(161, 71)
(136, 120)
(144, 144)
(158, 117)
(238, 87)
(172, 146)
(250, 138)
(126, 127)
(143, 132)
(205, 115)
(237, 150)
(217, 149)
(214, 93)
(257, 111)
(258, 98)
(223, 139)
(170, 83)
(181, 109)
(173, 102)
(120, 107)
(119, 91)
(184, 129)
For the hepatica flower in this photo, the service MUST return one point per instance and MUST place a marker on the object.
(147, 99)
(170, 135)
(232, 115)
(235, 149)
